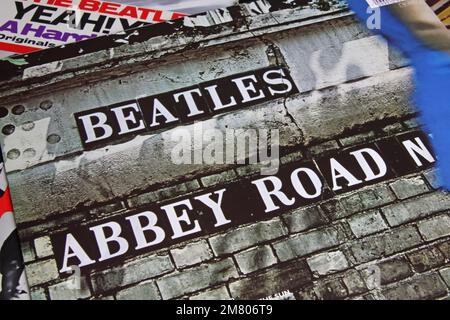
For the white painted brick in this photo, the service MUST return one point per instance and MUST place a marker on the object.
(66, 290)
(445, 274)
(43, 247)
(132, 272)
(255, 259)
(41, 272)
(192, 253)
(434, 228)
(197, 278)
(367, 223)
(246, 237)
(27, 251)
(407, 188)
(306, 243)
(141, 291)
(419, 207)
(328, 262)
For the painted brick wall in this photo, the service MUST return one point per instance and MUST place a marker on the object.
(353, 90)
(323, 251)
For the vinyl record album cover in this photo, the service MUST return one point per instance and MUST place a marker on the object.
(262, 150)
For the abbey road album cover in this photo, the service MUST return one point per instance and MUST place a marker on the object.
(225, 150)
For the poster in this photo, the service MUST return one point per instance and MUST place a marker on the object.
(29, 26)
(257, 152)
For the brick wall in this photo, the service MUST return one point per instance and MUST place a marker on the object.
(398, 229)
(324, 251)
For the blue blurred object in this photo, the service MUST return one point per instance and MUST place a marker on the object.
(432, 81)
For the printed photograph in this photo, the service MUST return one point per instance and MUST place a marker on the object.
(225, 150)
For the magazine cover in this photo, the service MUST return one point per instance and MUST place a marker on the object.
(30, 26)
(265, 150)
